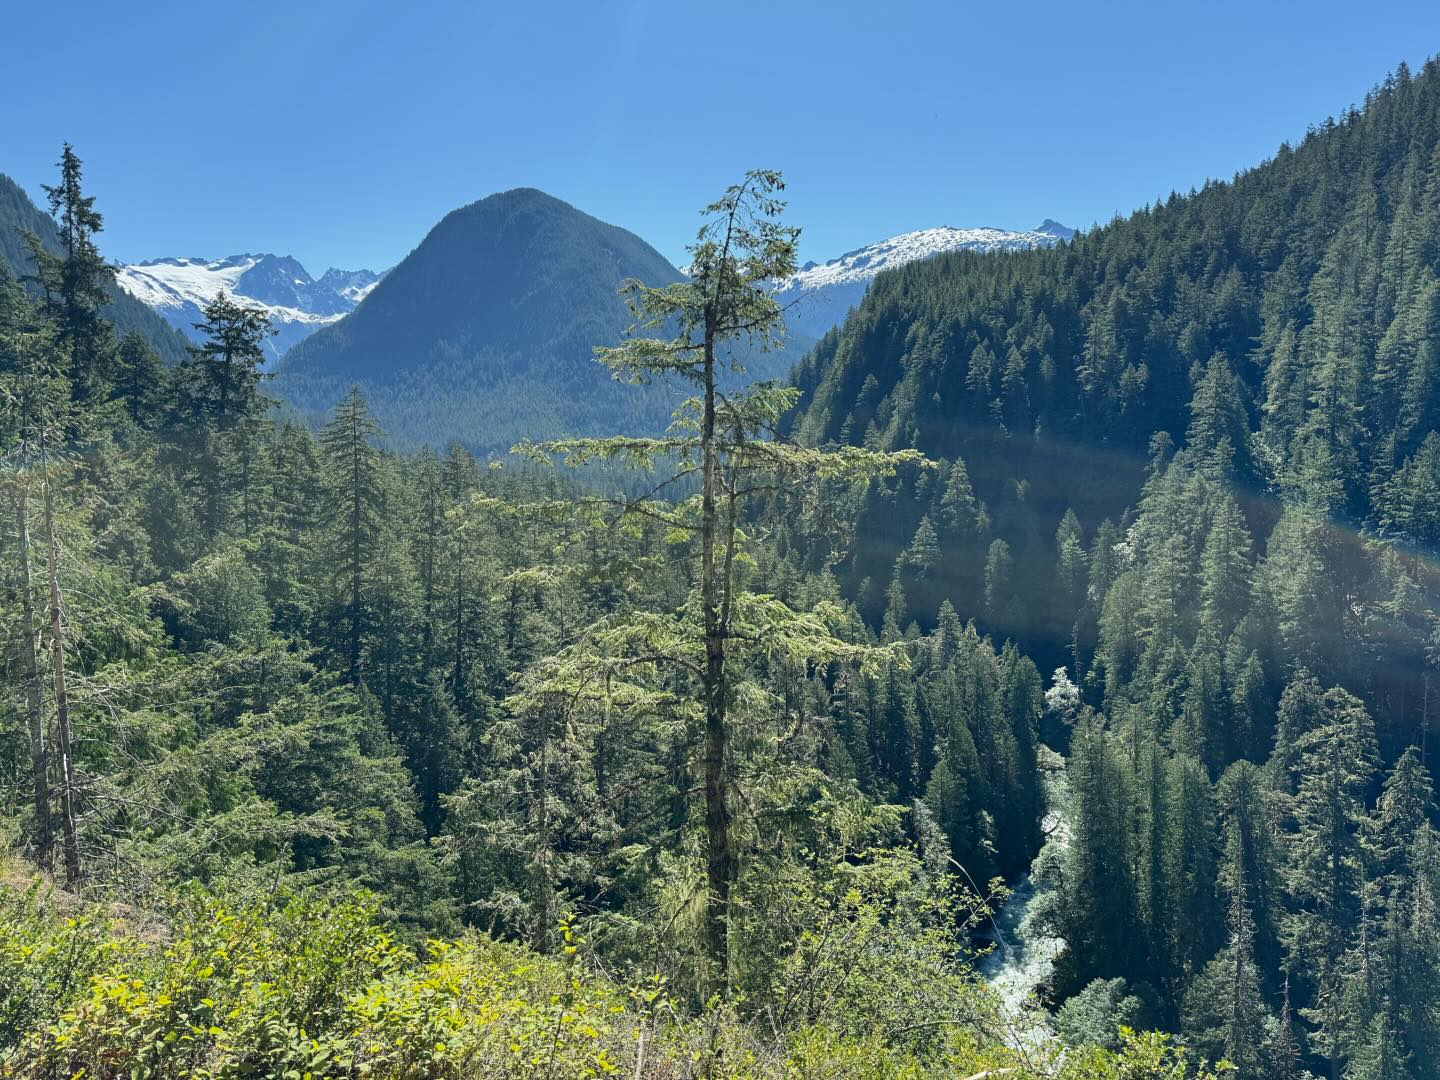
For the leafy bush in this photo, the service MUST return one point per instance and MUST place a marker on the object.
(305, 986)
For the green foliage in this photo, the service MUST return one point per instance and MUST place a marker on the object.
(19, 216)
(297, 985)
(1182, 463)
(1095, 1016)
(1243, 378)
(299, 661)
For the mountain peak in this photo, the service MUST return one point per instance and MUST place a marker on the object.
(177, 288)
(485, 332)
(519, 197)
(820, 294)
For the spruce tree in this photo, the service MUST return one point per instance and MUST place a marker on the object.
(1326, 868)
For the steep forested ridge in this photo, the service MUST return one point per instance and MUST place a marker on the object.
(19, 215)
(1279, 331)
(1291, 311)
(1189, 462)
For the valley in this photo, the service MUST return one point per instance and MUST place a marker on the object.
(986, 653)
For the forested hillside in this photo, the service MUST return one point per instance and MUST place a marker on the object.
(1282, 326)
(18, 215)
(485, 333)
(1110, 563)
(1190, 463)
(298, 731)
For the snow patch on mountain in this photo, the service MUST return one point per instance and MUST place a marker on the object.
(864, 263)
(820, 294)
(297, 304)
(354, 285)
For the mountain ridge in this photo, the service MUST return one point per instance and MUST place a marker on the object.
(485, 332)
(819, 295)
(178, 287)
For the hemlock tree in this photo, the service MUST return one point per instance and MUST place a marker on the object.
(25, 391)
(40, 397)
(224, 373)
(1336, 762)
(357, 499)
(62, 379)
(728, 442)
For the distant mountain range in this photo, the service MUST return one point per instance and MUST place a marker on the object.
(485, 332)
(297, 304)
(818, 297)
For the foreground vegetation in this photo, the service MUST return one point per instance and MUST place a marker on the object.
(293, 985)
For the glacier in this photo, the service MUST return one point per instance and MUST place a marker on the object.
(297, 304)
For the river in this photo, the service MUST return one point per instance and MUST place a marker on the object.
(1023, 956)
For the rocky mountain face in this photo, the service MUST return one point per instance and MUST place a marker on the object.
(298, 305)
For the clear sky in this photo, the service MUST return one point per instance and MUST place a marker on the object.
(341, 131)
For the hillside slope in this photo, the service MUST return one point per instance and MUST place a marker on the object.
(819, 295)
(19, 214)
(1285, 323)
(485, 332)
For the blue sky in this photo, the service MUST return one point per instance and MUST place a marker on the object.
(340, 132)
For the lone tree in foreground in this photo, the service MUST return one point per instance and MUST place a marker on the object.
(730, 441)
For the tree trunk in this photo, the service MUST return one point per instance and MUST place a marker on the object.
(461, 692)
(30, 670)
(542, 909)
(64, 745)
(720, 858)
(427, 576)
(246, 509)
(1425, 721)
(355, 563)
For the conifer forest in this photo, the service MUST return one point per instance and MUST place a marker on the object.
(1032, 677)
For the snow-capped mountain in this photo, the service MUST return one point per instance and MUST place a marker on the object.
(354, 285)
(820, 294)
(297, 304)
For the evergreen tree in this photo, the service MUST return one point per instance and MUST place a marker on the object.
(1219, 431)
(29, 390)
(1381, 1056)
(356, 498)
(723, 440)
(1224, 570)
(1325, 871)
(221, 382)
(999, 569)
(215, 430)
(73, 282)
